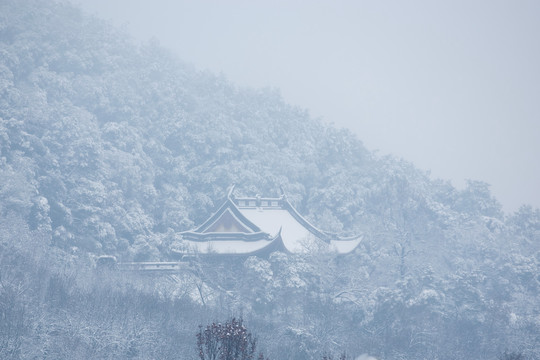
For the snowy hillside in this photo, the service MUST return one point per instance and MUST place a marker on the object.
(108, 147)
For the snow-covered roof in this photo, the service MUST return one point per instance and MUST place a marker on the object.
(260, 225)
(271, 220)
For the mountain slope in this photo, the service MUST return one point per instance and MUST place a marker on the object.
(121, 142)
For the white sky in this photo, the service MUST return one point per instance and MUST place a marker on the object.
(452, 86)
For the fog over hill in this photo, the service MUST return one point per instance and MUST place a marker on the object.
(109, 147)
(452, 87)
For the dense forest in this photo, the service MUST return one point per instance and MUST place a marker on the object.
(110, 147)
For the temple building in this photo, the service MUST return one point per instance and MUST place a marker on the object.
(259, 226)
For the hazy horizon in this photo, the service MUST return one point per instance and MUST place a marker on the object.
(451, 87)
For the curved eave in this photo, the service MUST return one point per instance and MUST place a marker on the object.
(302, 220)
(345, 246)
(329, 238)
(275, 245)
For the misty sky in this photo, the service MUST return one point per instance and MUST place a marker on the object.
(453, 86)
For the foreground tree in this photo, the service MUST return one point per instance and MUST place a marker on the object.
(229, 341)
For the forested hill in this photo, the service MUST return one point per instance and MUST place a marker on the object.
(116, 147)
(111, 147)
(110, 144)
